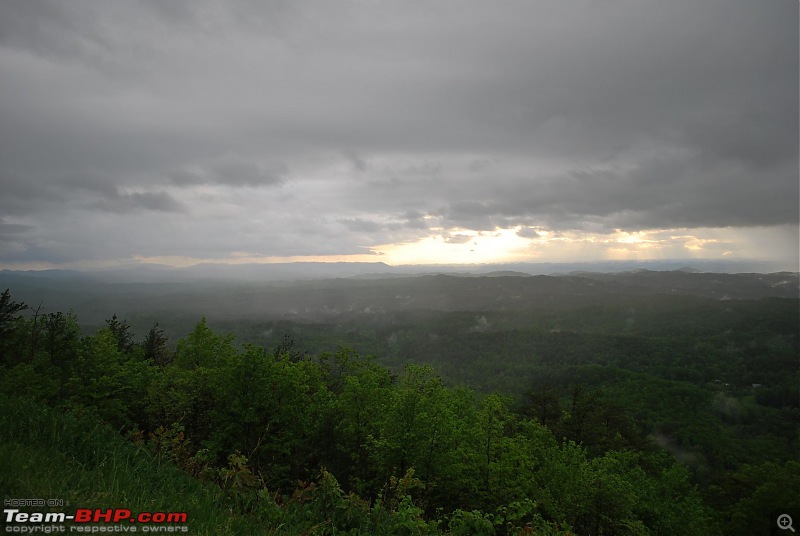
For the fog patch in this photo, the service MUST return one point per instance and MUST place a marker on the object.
(728, 407)
(481, 325)
(682, 455)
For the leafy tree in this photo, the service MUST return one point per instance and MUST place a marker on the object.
(155, 347)
(8, 312)
(186, 397)
(543, 404)
(403, 429)
(121, 331)
(62, 342)
(744, 498)
(203, 348)
(9, 319)
(109, 381)
(287, 347)
(364, 397)
(495, 446)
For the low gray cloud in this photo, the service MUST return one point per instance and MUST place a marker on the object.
(528, 232)
(414, 220)
(97, 192)
(457, 238)
(361, 226)
(231, 171)
(672, 191)
(134, 201)
(13, 229)
(12, 236)
(306, 128)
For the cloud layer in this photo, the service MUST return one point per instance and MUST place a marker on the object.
(247, 129)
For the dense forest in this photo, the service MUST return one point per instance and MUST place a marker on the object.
(603, 412)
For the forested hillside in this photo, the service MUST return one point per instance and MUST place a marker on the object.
(606, 413)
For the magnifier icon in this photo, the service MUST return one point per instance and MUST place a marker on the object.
(785, 522)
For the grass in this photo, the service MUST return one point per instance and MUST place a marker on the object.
(50, 454)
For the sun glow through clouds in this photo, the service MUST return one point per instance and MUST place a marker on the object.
(520, 244)
(457, 246)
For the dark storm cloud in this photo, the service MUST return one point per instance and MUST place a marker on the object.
(662, 192)
(47, 28)
(135, 201)
(357, 163)
(97, 192)
(235, 172)
(283, 127)
(12, 236)
(414, 220)
(12, 229)
(399, 228)
(20, 197)
(231, 171)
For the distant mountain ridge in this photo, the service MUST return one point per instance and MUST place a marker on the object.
(96, 297)
(267, 272)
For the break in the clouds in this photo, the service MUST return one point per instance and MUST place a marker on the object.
(436, 131)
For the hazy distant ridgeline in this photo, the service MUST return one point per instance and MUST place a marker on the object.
(95, 296)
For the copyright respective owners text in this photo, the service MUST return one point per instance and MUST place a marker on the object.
(58, 516)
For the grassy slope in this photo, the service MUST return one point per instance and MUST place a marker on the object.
(51, 455)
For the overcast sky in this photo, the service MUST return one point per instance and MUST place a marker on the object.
(402, 132)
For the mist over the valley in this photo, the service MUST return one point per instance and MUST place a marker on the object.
(326, 291)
